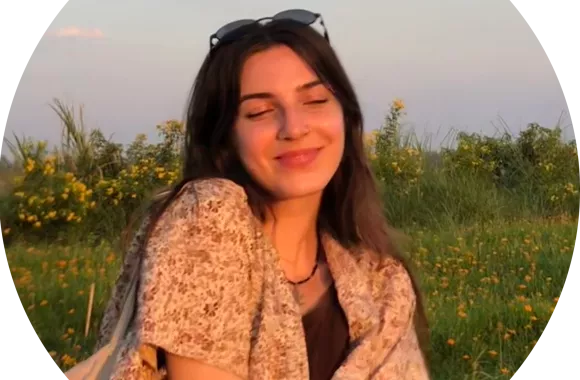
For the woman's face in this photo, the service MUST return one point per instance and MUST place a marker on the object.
(290, 128)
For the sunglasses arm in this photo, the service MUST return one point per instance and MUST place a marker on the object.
(324, 27)
(211, 40)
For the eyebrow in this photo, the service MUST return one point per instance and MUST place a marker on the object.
(268, 95)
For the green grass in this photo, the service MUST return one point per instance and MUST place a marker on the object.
(489, 288)
(489, 291)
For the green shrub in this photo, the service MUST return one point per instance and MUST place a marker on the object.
(90, 186)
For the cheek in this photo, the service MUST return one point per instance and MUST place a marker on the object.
(254, 145)
(334, 133)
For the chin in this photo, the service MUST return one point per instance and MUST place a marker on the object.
(299, 188)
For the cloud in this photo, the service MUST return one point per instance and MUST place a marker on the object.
(74, 31)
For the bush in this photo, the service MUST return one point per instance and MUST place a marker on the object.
(90, 187)
(537, 168)
(396, 162)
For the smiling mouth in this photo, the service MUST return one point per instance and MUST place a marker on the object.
(298, 158)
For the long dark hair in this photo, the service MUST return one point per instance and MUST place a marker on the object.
(351, 209)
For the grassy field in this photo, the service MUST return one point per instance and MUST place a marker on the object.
(490, 288)
(490, 291)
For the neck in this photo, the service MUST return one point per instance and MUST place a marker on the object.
(292, 228)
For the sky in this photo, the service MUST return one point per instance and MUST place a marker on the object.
(459, 65)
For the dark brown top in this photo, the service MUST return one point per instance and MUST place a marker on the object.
(327, 336)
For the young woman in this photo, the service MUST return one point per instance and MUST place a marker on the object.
(271, 259)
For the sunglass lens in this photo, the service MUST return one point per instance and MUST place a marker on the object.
(228, 28)
(300, 15)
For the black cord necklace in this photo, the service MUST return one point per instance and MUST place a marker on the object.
(311, 273)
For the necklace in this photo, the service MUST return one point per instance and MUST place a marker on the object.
(311, 273)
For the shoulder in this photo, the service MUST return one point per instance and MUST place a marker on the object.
(207, 230)
(209, 219)
(215, 189)
(390, 277)
(206, 201)
(211, 192)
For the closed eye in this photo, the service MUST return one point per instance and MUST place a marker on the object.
(257, 114)
(319, 101)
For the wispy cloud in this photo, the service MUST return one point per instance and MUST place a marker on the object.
(75, 31)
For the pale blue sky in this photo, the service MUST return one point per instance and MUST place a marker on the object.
(456, 63)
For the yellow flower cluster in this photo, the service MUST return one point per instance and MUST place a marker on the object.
(47, 195)
(135, 181)
(471, 155)
(561, 193)
(393, 162)
(402, 165)
(398, 104)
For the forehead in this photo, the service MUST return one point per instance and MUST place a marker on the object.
(274, 70)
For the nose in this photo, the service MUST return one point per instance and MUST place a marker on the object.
(293, 125)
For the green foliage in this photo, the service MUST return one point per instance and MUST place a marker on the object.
(489, 292)
(90, 186)
(538, 164)
(397, 163)
(490, 288)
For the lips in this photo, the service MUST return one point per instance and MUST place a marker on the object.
(298, 158)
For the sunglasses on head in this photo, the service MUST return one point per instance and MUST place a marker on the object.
(301, 16)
